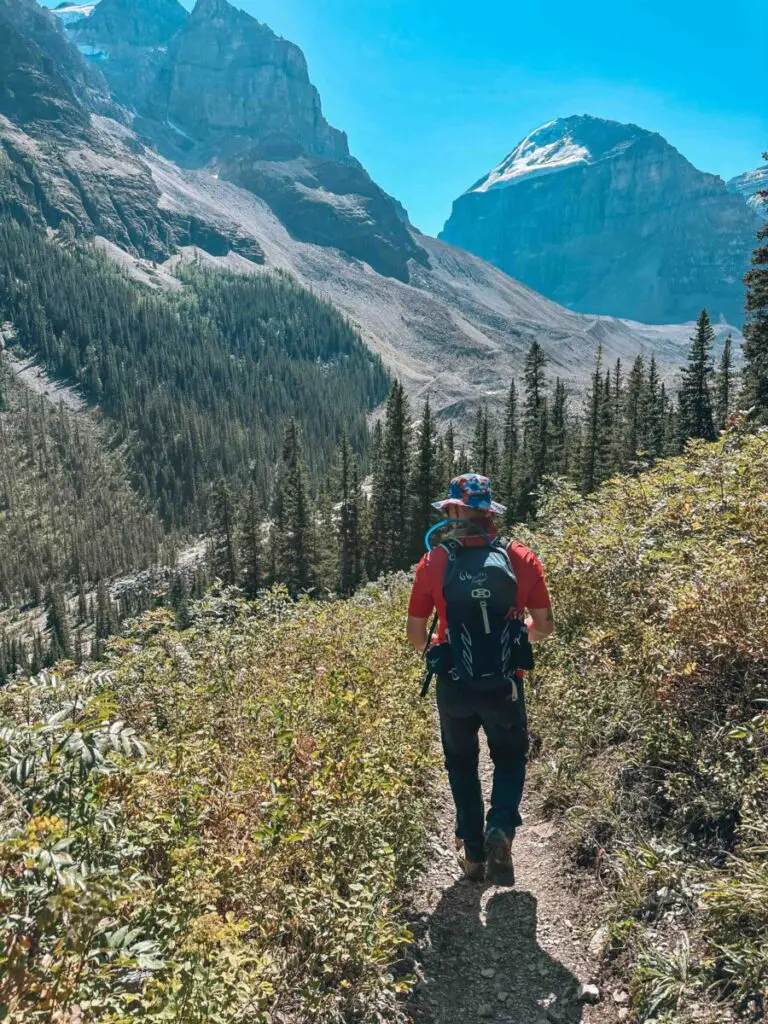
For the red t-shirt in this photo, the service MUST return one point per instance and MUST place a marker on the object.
(427, 593)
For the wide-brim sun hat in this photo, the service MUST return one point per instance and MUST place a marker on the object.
(472, 491)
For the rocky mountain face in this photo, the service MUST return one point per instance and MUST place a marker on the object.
(749, 185)
(218, 89)
(449, 324)
(609, 218)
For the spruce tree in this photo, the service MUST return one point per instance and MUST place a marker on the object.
(593, 455)
(481, 443)
(223, 544)
(535, 427)
(377, 506)
(57, 624)
(724, 385)
(755, 373)
(424, 482)
(696, 419)
(510, 465)
(293, 539)
(251, 545)
(394, 537)
(446, 470)
(653, 412)
(558, 443)
(350, 563)
(634, 412)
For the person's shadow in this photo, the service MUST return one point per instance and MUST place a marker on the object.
(480, 961)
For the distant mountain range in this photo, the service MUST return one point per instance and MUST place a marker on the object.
(168, 136)
(609, 218)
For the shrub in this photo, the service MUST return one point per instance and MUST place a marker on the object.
(651, 709)
(218, 827)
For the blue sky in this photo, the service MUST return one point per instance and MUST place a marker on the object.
(433, 94)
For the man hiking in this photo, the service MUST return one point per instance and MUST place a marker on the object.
(491, 601)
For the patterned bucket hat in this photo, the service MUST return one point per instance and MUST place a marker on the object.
(472, 491)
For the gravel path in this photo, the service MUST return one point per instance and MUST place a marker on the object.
(518, 956)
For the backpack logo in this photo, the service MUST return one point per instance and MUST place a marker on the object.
(478, 579)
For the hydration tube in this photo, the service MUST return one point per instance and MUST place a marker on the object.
(431, 530)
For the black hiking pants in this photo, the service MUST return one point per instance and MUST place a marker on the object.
(462, 713)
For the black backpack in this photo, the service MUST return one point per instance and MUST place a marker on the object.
(488, 647)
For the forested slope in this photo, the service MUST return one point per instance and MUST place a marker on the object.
(200, 381)
(651, 719)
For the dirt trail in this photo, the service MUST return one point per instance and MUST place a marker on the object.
(516, 956)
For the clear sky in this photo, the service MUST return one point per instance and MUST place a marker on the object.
(433, 93)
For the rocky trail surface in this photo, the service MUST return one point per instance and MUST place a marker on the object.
(517, 956)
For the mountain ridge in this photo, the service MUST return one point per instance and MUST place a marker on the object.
(610, 218)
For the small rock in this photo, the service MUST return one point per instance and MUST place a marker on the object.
(623, 1013)
(485, 1010)
(599, 941)
(589, 994)
(568, 924)
(620, 996)
(488, 972)
(502, 996)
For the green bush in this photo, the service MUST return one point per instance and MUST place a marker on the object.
(219, 826)
(651, 713)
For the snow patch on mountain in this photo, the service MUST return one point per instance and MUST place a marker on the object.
(557, 145)
(749, 185)
(70, 13)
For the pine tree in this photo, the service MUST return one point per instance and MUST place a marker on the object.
(394, 538)
(377, 505)
(510, 465)
(57, 624)
(447, 464)
(695, 398)
(481, 442)
(350, 562)
(178, 599)
(593, 454)
(293, 537)
(653, 413)
(535, 427)
(634, 411)
(424, 482)
(558, 443)
(755, 373)
(724, 385)
(250, 544)
(223, 545)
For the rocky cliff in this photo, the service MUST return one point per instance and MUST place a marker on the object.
(219, 90)
(750, 185)
(609, 218)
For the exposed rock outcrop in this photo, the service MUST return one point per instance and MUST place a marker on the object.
(750, 185)
(609, 218)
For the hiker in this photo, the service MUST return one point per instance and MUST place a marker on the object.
(491, 601)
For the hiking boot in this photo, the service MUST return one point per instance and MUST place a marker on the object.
(498, 850)
(474, 871)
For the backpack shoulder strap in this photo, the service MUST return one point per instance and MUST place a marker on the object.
(453, 548)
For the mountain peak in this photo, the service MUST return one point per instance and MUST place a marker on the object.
(559, 144)
(136, 22)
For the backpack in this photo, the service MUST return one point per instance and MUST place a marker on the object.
(480, 587)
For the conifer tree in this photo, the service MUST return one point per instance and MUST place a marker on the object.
(724, 385)
(593, 446)
(424, 483)
(377, 505)
(535, 427)
(696, 419)
(510, 465)
(57, 623)
(394, 539)
(755, 373)
(481, 444)
(350, 562)
(653, 412)
(446, 469)
(250, 544)
(223, 546)
(634, 410)
(558, 444)
(293, 538)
